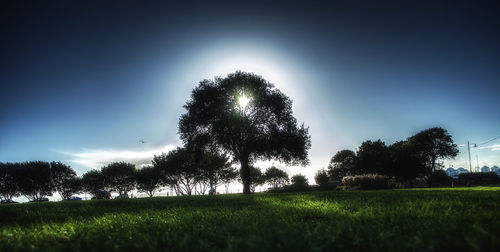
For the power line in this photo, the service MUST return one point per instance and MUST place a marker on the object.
(476, 145)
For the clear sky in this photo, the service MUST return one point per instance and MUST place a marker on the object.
(82, 81)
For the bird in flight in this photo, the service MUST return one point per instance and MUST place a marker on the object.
(142, 141)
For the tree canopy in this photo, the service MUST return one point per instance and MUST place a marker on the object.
(34, 179)
(119, 177)
(215, 169)
(261, 127)
(433, 144)
(321, 178)
(64, 179)
(92, 181)
(299, 182)
(149, 179)
(342, 164)
(8, 181)
(373, 157)
(275, 176)
(180, 170)
(416, 156)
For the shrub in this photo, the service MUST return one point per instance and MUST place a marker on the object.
(300, 182)
(478, 178)
(371, 181)
(321, 177)
(440, 178)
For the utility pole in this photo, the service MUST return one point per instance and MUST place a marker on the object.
(468, 149)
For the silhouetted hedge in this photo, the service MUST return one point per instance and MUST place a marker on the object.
(440, 179)
(371, 181)
(478, 178)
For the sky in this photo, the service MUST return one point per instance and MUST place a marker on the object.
(84, 81)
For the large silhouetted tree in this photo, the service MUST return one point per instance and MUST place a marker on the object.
(433, 144)
(247, 117)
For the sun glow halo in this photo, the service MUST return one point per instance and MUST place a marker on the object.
(243, 101)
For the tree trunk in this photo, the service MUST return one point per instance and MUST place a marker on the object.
(245, 175)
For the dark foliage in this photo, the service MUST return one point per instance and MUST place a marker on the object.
(433, 144)
(256, 177)
(64, 179)
(417, 156)
(119, 177)
(299, 182)
(214, 170)
(8, 183)
(342, 164)
(407, 163)
(321, 178)
(441, 179)
(373, 157)
(149, 179)
(92, 181)
(34, 180)
(265, 129)
(180, 170)
(275, 177)
(478, 178)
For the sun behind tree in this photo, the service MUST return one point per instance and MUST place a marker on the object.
(246, 117)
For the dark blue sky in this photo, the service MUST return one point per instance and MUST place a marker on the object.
(82, 82)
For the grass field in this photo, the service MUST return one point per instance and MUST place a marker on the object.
(388, 220)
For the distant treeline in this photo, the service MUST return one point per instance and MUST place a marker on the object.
(184, 171)
(193, 172)
(403, 162)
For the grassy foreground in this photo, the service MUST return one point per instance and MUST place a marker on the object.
(394, 220)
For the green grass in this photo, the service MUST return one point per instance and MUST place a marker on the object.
(387, 220)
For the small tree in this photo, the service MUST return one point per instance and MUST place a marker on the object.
(119, 177)
(180, 169)
(149, 179)
(8, 183)
(276, 177)
(64, 179)
(321, 178)
(433, 144)
(93, 181)
(342, 164)
(214, 170)
(299, 182)
(34, 180)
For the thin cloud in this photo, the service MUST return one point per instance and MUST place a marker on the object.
(495, 147)
(98, 158)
